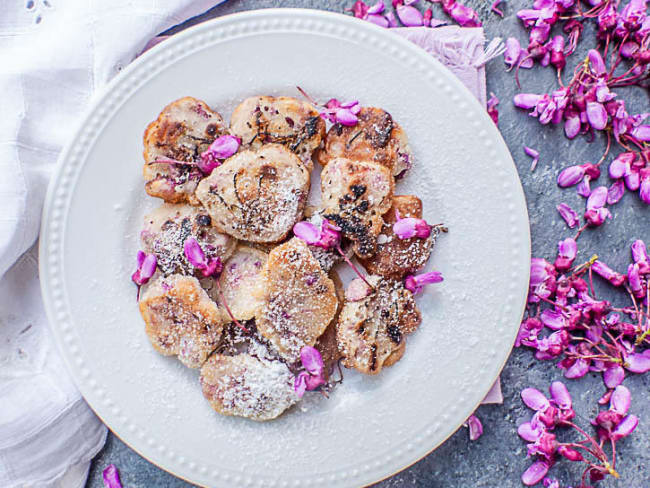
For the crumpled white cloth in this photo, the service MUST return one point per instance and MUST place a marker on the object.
(55, 54)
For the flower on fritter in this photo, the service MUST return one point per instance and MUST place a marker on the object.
(415, 283)
(111, 477)
(146, 268)
(314, 374)
(198, 259)
(344, 113)
(408, 227)
(327, 235)
(222, 148)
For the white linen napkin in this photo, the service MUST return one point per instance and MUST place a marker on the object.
(55, 55)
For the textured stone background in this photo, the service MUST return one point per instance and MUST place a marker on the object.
(497, 459)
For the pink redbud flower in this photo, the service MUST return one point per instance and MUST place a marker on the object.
(146, 268)
(409, 15)
(408, 227)
(571, 175)
(608, 273)
(596, 63)
(596, 115)
(568, 214)
(492, 109)
(197, 258)
(644, 187)
(314, 376)
(615, 192)
(325, 236)
(222, 148)
(111, 477)
(415, 283)
(475, 427)
(535, 473)
(621, 165)
(567, 250)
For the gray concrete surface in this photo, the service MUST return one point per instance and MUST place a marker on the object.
(497, 459)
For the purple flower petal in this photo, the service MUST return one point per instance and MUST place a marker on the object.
(608, 273)
(644, 187)
(311, 360)
(577, 369)
(596, 62)
(475, 427)
(641, 132)
(377, 8)
(357, 290)
(615, 192)
(620, 400)
(613, 376)
(633, 180)
(526, 100)
(620, 166)
(529, 433)
(570, 176)
(572, 127)
(513, 51)
(411, 227)
(410, 16)
(584, 188)
(560, 395)
(308, 232)
(598, 198)
(414, 283)
(534, 399)
(535, 473)
(300, 383)
(313, 382)
(392, 21)
(194, 253)
(553, 319)
(596, 115)
(148, 267)
(377, 19)
(111, 477)
(637, 363)
(140, 258)
(492, 109)
(639, 251)
(568, 214)
(533, 154)
(625, 427)
(345, 117)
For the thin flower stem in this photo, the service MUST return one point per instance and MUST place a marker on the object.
(609, 144)
(591, 440)
(225, 304)
(351, 264)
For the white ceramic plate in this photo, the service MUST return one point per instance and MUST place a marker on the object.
(371, 427)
